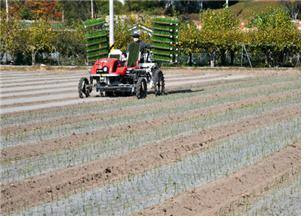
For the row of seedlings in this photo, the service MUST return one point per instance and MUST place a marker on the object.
(96, 39)
(165, 39)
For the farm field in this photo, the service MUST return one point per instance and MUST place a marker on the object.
(220, 142)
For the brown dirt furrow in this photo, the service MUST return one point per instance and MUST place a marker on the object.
(227, 194)
(130, 111)
(63, 182)
(75, 140)
(124, 99)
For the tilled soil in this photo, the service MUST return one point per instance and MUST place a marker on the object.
(55, 185)
(132, 110)
(75, 140)
(219, 197)
(98, 101)
(228, 194)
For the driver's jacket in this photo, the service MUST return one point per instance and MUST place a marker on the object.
(142, 48)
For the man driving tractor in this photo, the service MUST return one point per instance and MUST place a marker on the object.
(142, 45)
(116, 75)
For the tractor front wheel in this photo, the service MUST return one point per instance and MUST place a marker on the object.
(141, 88)
(84, 88)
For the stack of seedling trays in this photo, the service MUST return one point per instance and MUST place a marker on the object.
(96, 39)
(164, 40)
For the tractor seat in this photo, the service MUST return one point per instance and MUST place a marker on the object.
(133, 56)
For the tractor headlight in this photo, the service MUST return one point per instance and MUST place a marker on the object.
(105, 69)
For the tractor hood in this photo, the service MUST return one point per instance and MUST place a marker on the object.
(104, 65)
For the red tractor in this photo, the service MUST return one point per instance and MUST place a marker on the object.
(124, 74)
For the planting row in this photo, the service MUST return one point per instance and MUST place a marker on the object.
(108, 115)
(123, 143)
(31, 150)
(153, 112)
(103, 171)
(154, 186)
(79, 110)
(284, 201)
(233, 193)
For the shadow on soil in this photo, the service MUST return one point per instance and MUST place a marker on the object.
(179, 91)
(170, 92)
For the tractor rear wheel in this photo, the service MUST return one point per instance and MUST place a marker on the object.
(84, 88)
(141, 88)
(159, 83)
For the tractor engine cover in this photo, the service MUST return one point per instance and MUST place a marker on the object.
(108, 66)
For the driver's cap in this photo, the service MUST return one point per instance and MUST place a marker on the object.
(135, 35)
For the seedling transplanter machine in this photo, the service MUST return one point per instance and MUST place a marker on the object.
(114, 76)
(131, 73)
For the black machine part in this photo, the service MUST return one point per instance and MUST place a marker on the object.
(141, 88)
(84, 87)
(159, 82)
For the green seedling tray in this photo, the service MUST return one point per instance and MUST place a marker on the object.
(96, 48)
(162, 58)
(98, 52)
(163, 39)
(163, 52)
(96, 34)
(166, 21)
(97, 41)
(165, 28)
(94, 22)
(163, 46)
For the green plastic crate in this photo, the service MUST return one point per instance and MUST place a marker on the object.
(164, 34)
(96, 47)
(96, 34)
(163, 52)
(160, 58)
(166, 21)
(166, 29)
(165, 39)
(96, 39)
(93, 22)
(163, 46)
(97, 54)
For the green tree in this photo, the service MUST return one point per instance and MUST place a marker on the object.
(273, 18)
(220, 33)
(189, 41)
(69, 43)
(122, 34)
(40, 37)
(12, 39)
(276, 36)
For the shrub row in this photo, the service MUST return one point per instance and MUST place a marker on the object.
(270, 39)
(41, 42)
